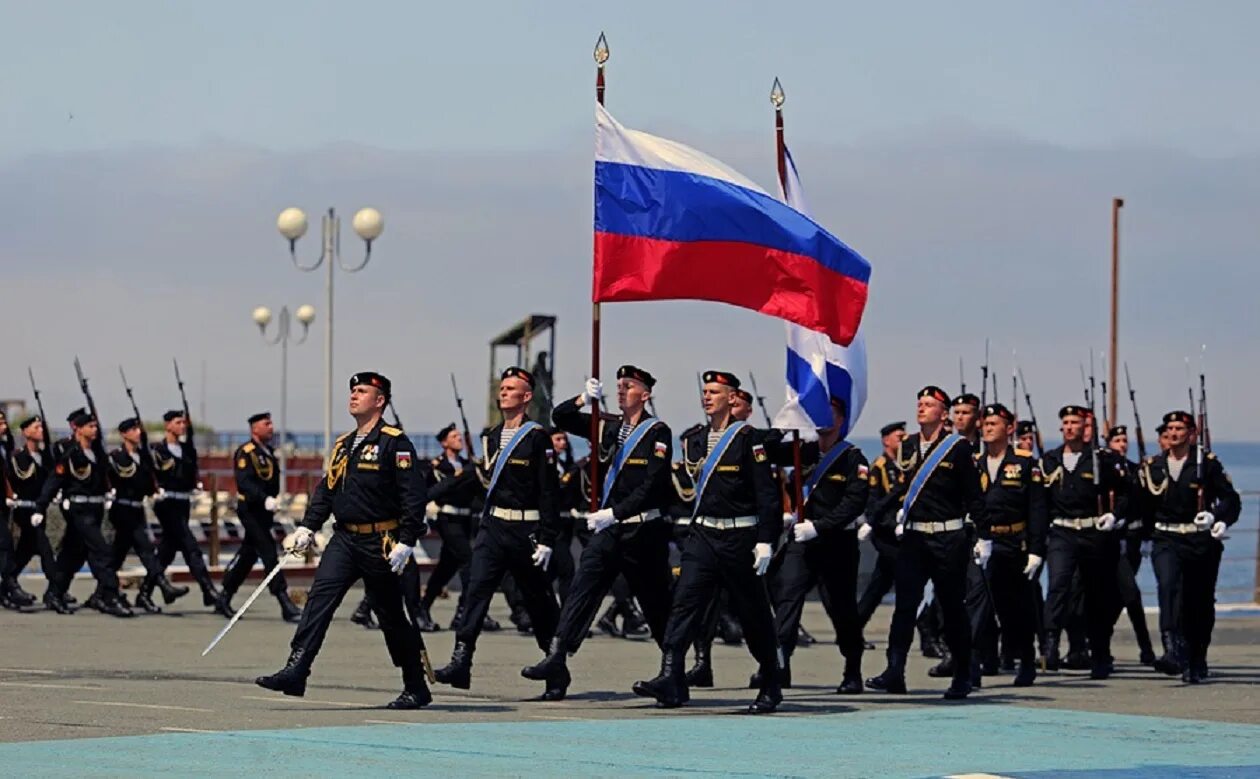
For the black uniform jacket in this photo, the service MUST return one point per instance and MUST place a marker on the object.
(840, 494)
(742, 483)
(952, 491)
(1171, 501)
(1016, 496)
(1075, 494)
(257, 473)
(529, 479)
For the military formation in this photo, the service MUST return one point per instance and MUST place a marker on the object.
(725, 523)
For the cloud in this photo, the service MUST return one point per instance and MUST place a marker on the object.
(131, 256)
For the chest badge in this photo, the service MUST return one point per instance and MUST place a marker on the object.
(369, 454)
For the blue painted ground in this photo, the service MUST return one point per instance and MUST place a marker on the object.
(928, 742)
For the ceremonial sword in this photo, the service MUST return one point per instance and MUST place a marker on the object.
(253, 596)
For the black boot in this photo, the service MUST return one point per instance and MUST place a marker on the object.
(633, 624)
(16, 595)
(457, 673)
(145, 602)
(459, 615)
(489, 625)
(668, 688)
(944, 669)
(976, 674)
(520, 618)
(210, 594)
(553, 670)
(893, 679)
(1172, 661)
(95, 602)
(1195, 665)
(54, 602)
(113, 606)
(852, 682)
(756, 681)
(608, 622)
(415, 694)
(223, 604)
(768, 697)
(1052, 652)
(1027, 673)
(170, 591)
(290, 680)
(424, 620)
(803, 638)
(1146, 652)
(701, 674)
(959, 688)
(363, 615)
(1101, 662)
(729, 629)
(289, 610)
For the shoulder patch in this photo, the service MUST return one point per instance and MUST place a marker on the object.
(392, 432)
(1023, 452)
(1211, 455)
(689, 432)
(249, 447)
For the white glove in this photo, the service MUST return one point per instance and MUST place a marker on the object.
(864, 531)
(1204, 519)
(431, 510)
(65, 505)
(37, 520)
(982, 551)
(542, 556)
(301, 539)
(601, 520)
(1218, 530)
(161, 494)
(901, 523)
(10, 502)
(789, 519)
(805, 531)
(270, 503)
(399, 556)
(1030, 570)
(1146, 547)
(761, 558)
(593, 391)
(200, 488)
(1107, 522)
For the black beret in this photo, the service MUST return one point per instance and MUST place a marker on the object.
(518, 373)
(25, 423)
(128, 424)
(933, 391)
(81, 418)
(73, 415)
(638, 374)
(1184, 417)
(1117, 430)
(371, 379)
(745, 394)
(260, 417)
(967, 399)
(998, 410)
(721, 377)
(1161, 429)
(173, 414)
(891, 427)
(1025, 427)
(444, 432)
(1073, 411)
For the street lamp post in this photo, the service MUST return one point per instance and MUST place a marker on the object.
(369, 225)
(262, 317)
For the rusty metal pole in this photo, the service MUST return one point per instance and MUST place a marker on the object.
(1116, 204)
(214, 519)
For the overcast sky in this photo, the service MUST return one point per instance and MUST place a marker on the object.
(969, 151)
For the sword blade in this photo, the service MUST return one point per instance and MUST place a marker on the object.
(253, 596)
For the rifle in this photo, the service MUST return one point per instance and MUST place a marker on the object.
(144, 434)
(984, 374)
(184, 400)
(39, 404)
(962, 378)
(459, 402)
(995, 389)
(651, 407)
(1106, 422)
(397, 422)
(1204, 428)
(1137, 420)
(1032, 415)
(87, 394)
(761, 400)
(1203, 440)
(700, 387)
(1014, 387)
(1093, 445)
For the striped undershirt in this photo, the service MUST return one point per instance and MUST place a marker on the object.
(358, 439)
(714, 436)
(624, 433)
(505, 436)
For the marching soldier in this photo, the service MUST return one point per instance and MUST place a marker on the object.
(1136, 535)
(1015, 503)
(1190, 503)
(81, 475)
(1026, 435)
(454, 521)
(377, 495)
(1088, 494)
(881, 518)
(257, 477)
(737, 516)
(12, 596)
(131, 475)
(824, 551)
(630, 535)
(177, 474)
(519, 525)
(943, 489)
(27, 470)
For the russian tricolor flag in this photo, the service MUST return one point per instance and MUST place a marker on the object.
(672, 223)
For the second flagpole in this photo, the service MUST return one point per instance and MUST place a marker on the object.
(601, 58)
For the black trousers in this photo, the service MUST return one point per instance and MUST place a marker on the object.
(941, 558)
(501, 548)
(1186, 567)
(829, 562)
(1129, 595)
(456, 554)
(882, 578)
(1095, 555)
(980, 612)
(721, 558)
(1013, 597)
(30, 542)
(258, 543)
(86, 519)
(6, 544)
(131, 531)
(561, 569)
(640, 552)
(348, 558)
(173, 514)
